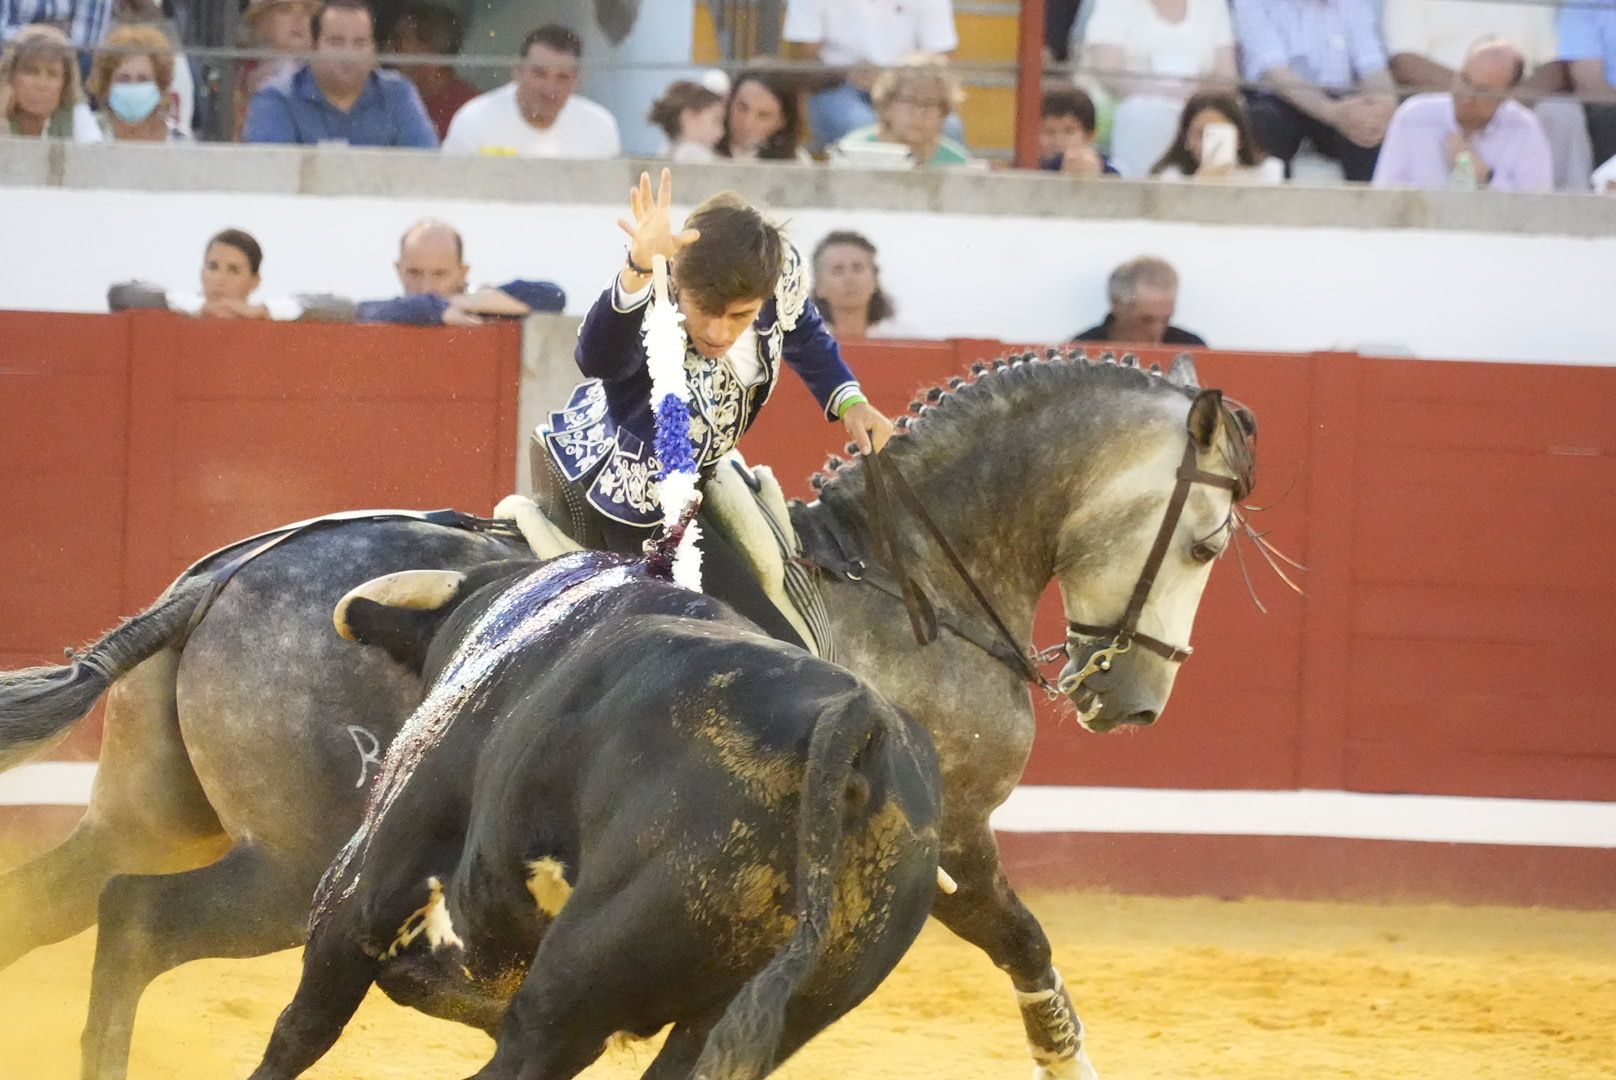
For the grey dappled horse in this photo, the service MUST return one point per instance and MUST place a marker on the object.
(255, 738)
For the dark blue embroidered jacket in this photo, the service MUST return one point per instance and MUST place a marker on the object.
(607, 430)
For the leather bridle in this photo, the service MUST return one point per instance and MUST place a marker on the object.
(1125, 634)
(1096, 656)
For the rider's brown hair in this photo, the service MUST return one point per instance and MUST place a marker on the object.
(737, 257)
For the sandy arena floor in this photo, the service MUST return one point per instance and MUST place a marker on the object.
(1170, 989)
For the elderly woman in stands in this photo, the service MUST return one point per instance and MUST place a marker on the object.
(1215, 142)
(762, 120)
(1149, 56)
(133, 79)
(847, 288)
(40, 93)
(911, 104)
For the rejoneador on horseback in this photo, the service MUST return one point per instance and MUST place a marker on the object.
(743, 294)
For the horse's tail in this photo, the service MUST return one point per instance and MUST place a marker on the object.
(744, 1043)
(39, 704)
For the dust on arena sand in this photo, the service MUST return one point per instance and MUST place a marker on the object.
(1169, 989)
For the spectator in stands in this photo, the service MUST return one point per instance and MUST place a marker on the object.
(230, 265)
(1144, 293)
(762, 120)
(1428, 41)
(432, 268)
(1588, 45)
(133, 78)
(1066, 135)
(40, 92)
(285, 26)
(911, 103)
(847, 288)
(1235, 154)
(537, 114)
(865, 36)
(432, 29)
(1474, 136)
(1324, 78)
(83, 22)
(1150, 56)
(692, 116)
(341, 96)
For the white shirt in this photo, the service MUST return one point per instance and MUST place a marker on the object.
(1153, 46)
(1444, 30)
(491, 123)
(880, 32)
(1269, 170)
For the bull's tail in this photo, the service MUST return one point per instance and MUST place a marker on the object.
(744, 1043)
(38, 705)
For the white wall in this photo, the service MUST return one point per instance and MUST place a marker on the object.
(1433, 293)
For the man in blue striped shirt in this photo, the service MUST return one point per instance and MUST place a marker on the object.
(1322, 72)
(340, 96)
(86, 22)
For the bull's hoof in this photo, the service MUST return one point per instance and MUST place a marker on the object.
(1073, 1068)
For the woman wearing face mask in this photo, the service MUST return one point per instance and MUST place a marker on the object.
(40, 95)
(133, 79)
(762, 121)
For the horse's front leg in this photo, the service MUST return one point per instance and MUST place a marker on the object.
(986, 911)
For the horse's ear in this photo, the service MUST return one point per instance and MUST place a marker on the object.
(1182, 373)
(1205, 415)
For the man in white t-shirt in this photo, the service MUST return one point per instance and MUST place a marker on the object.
(864, 35)
(1428, 41)
(537, 114)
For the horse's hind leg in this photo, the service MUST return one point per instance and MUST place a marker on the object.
(248, 903)
(987, 912)
(147, 815)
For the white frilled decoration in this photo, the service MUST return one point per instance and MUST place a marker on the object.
(670, 397)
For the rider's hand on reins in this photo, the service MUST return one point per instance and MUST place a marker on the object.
(650, 231)
(868, 427)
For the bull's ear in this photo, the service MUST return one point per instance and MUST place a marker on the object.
(1205, 415)
(399, 613)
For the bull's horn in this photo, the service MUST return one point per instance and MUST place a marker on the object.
(421, 590)
(946, 883)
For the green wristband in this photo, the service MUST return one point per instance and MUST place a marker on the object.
(852, 400)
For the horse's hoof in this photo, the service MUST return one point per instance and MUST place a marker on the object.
(1073, 1068)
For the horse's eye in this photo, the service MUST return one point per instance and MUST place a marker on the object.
(1204, 551)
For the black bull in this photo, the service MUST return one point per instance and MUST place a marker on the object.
(620, 807)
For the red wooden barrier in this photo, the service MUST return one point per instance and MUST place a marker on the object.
(1458, 518)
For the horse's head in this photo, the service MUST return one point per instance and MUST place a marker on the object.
(1135, 553)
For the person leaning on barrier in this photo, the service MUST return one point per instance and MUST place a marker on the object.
(1066, 129)
(432, 268)
(537, 114)
(1474, 136)
(912, 102)
(340, 95)
(1144, 295)
(40, 92)
(230, 265)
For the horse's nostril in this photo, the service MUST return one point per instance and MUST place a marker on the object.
(1143, 718)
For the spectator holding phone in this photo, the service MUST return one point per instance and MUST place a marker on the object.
(1215, 142)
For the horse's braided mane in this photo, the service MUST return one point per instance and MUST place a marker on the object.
(1014, 376)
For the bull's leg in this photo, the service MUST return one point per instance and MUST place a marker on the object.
(246, 904)
(147, 814)
(336, 976)
(681, 1051)
(986, 911)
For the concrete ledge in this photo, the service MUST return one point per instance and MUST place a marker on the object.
(412, 174)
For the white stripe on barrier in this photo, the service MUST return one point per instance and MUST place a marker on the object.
(1344, 814)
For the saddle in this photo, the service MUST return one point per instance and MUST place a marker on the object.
(745, 503)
